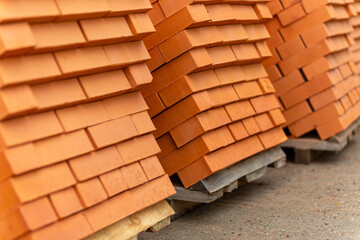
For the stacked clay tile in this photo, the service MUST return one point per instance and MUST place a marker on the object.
(77, 150)
(354, 8)
(210, 100)
(312, 68)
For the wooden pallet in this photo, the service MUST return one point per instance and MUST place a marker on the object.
(153, 219)
(214, 186)
(309, 147)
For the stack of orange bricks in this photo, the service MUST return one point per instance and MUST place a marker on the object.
(355, 22)
(77, 150)
(312, 67)
(211, 100)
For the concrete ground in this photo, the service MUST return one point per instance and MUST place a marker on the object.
(317, 201)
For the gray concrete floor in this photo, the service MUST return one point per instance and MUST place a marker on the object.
(316, 201)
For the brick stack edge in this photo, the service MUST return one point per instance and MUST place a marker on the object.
(77, 150)
(314, 67)
(210, 100)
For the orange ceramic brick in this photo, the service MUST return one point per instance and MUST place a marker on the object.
(91, 192)
(228, 75)
(106, 30)
(186, 17)
(290, 48)
(104, 84)
(142, 122)
(152, 167)
(244, 13)
(232, 34)
(82, 116)
(249, 89)
(12, 225)
(138, 148)
(272, 138)
(16, 100)
(194, 59)
(274, 73)
(345, 102)
(256, 32)
(38, 213)
(315, 34)
(291, 14)
(263, 11)
(221, 56)
(41, 182)
(32, 68)
(288, 82)
(16, 38)
(113, 182)
(156, 14)
(78, 9)
(95, 163)
(73, 227)
(134, 175)
(124, 54)
(238, 130)
(251, 126)
(245, 53)
(155, 104)
(181, 111)
(310, 6)
(112, 132)
(156, 59)
(223, 95)
(66, 202)
(274, 6)
(138, 74)
(254, 71)
(277, 117)
(29, 128)
(57, 93)
(20, 10)
(123, 105)
(194, 172)
(170, 7)
(263, 50)
(124, 7)
(264, 122)
(297, 112)
(266, 85)
(220, 14)
(57, 36)
(273, 27)
(240, 110)
(264, 103)
(198, 125)
(82, 61)
(140, 25)
(275, 40)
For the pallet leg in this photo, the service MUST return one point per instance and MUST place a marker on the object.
(160, 225)
(279, 164)
(305, 156)
(231, 187)
(181, 207)
(253, 176)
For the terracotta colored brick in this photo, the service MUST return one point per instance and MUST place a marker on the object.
(134, 175)
(156, 14)
(155, 104)
(82, 60)
(232, 74)
(106, 30)
(297, 112)
(252, 127)
(221, 55)
(142, 122)
(195, 149)
(140, 24)
(240, 110)
(238, 130)
(38, 213)
(264, 122)
(248, 89)
(57, 36)
(42, 182)
(232, 34)
(105, 84)
(274, 73)
(113, 182)
(95, 163)
(33, 68)
(263, 11)
(82, 116)
(274, 6)
(112, 132)
(290, 48)
(170, 7)
(12, 225)
(73, 227)
(124, 54)
(138, 74)
(123, 105)
(152, 168)
(198, 125)
(78, 9)
(263, 50)
(156, 59)
(29, 128)
(91, 192)
(256, 32)
(272, 138)
(19, 10)
(245, 53)
(58, 93)
(66, 202)
(288, 83)
(194, 172)
(291, 14)
(254, 71)
(186, 17)
(220, 13)
(345, 102)
(223, 95)
(16, 100)
(128, 6)
(264, 103)
(244, 13)
(16, 38)
(166, 144)
(276, 116)
(310, 6)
